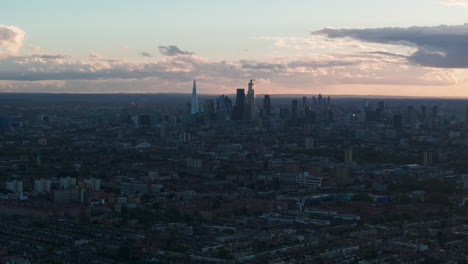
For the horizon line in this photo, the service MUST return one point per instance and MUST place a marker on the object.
(233, 94)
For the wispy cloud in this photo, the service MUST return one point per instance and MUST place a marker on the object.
(34, 48)
(463, 3)
(95, 55)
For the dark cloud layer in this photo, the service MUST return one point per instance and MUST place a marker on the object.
(439, 46)
(51, 57)
(173, 51)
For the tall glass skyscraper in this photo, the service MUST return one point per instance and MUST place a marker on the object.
(194, 107)
(251, 107)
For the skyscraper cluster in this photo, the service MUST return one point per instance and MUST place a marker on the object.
(301, 111)
(245, 108)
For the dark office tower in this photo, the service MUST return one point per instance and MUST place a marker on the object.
(228, 104)
(435, 111)
(381, 104)
(320, 98)
(188, 107)
(266, 106)
(466, 115)
(348, 155)
(330, 116)
(328, 100)
(223, 108)
(238, 110)
(379, 111)
(284, 113)
(309, 117)
(144, 120)
(221, 113)
(251, 110)
(309, 143)
(314, 101)
(308, 129)
(427, 158)
(431, 121)
(305, 102)
(423, 113)
(163, 131)
(411, 115)
(240, 97)
(209, 109)
(397, 122)
(220, 104)
(378, 114)
(294, 110)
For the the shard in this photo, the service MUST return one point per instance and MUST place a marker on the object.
(194, 108)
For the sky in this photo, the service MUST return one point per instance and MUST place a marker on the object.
(345, 47)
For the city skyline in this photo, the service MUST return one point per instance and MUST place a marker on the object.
(336, 48)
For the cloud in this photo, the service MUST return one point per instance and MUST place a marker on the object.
(440, 46)
(308, 64)
(316, 43)
(95, 55)
(34, 48)
(51, 57)
(173, 51)
(174, 73)
(144, 54)
(11, 40)
(318, 70)
(463, 3)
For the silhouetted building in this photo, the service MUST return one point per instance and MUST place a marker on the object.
(397, 122)
(466, 115)
(412, 114)
(381, 104)
(223, 105)
(266, 106)
(294, 111)
(309, 116)
(427, 158)
(250, 112)
(309, 143)
(308, 129)
(209, 110)
(163, 131)
(194, 106)
(348, 155)
(228, 104)
(342, 175)
(423, 113)
(330, 116)
(238, 109)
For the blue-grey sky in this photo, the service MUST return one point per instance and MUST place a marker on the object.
(223, 43)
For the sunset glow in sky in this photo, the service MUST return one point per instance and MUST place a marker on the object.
(347, 47)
